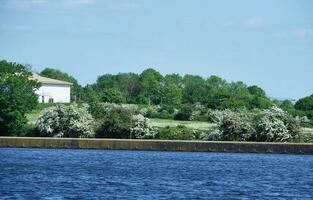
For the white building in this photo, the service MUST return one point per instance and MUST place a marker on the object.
(52, 90)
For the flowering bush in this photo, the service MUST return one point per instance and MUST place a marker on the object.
(233, 125)
(66, 121)
(141, 129)
(276, 125)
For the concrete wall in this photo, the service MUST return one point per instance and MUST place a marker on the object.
(59, 93)
(158, 145)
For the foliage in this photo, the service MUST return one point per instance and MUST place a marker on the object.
(194, 89)
(276, 125)
(112, 95)
(270, 125)
(183, 133)
(234, 125)
(17, 97)
(185, 113)
(119, 121)
(305, 104)
(172, 95)
(141, 128)
(66, 121)
(150, 84)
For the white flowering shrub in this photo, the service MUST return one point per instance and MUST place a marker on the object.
(276, 125)
(232, 125)
(141, 128)
(66, 121)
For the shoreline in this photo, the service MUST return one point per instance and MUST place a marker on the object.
(157, 145)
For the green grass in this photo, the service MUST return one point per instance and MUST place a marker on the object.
(33, 116)
(173, 123)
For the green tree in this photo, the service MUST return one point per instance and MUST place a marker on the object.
(256, 91)
(112, 95)
(172, 95)
(305, 104)
(17, 97)
(76, 89)
(129, 85)
(194, 89)
(175, 79)
(150, 87)
(216, 92)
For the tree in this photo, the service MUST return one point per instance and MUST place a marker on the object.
(150, 87)
(129, 85)
(256, 91)
(193, 89)
(112, 95)
(172, 95)
(305, 104)
(17, 97)
(216, 92)
(175, 79)
(76, 89)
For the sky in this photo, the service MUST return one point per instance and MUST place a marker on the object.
(265, 43)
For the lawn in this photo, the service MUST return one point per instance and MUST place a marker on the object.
(172, 123)
(33, 116)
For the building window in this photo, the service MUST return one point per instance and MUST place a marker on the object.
(42, 99)
(51, 100)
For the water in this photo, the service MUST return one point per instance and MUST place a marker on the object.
(95, 174)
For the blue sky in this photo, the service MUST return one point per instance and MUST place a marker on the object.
(269, 44)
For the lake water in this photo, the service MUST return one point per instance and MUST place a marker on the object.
(103, 174)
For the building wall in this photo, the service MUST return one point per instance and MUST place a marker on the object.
(59, 93)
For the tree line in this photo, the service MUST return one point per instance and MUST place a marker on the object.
(150, 87)
(173, 90)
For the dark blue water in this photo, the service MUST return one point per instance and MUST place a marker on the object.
(95, 174)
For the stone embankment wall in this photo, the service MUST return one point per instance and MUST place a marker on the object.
(158, 145)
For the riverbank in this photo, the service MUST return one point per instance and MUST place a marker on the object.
(157, 145)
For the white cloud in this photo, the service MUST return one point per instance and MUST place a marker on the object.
(124, 7)
(80, 2)
(299, 32)
(254, 22)
(16, 27)
(38, 1)
(23, 5)
(302, 32)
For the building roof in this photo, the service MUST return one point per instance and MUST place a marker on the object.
(42, 79)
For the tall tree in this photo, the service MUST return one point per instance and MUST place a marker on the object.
(150, 88)
(193, 89)
(172, 95)
(16, 97)
(129, 85)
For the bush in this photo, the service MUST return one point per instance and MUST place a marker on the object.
(233, 125)
(116, 123)
(185, 113)
(66, 121)
(181, 133)
(276, 125)
(141, 128)
(120, 122)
